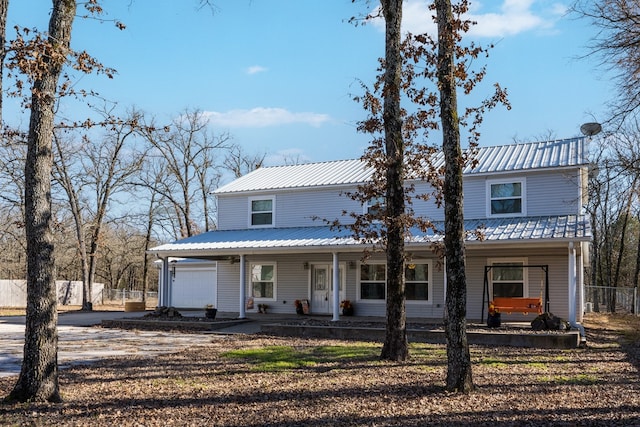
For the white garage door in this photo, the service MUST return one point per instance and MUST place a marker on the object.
(194, 287)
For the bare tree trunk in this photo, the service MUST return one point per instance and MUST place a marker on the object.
(147, 244)
(396, 345)
(458, 358)
(62, 175)
(636, 273)
(38, 380)
(4, 6)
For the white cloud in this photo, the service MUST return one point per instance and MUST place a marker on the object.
(511, 18)
(265, 117)
(255, 69)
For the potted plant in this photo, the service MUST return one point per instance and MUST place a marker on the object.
(262, 308)
(347, 307)
(298, 305)
(210, 311)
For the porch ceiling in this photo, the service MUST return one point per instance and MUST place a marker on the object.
(529, 230)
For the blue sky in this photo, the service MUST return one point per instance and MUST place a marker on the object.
(279, 75)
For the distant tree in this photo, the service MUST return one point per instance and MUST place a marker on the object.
(614, 191)
(92, 172)
(239, 162)
(615, 43)
(193, 158)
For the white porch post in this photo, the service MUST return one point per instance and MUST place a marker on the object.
(243, 288)
(572, 284)
(336, 288)
(162, 286)
(580, 284)
(164, 290)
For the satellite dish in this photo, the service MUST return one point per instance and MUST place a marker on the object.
(590, 129)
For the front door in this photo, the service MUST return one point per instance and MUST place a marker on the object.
(322, 287)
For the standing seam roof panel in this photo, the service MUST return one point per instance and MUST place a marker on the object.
(505, 158)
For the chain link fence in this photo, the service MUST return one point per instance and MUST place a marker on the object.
(121, 296)
(610, 299)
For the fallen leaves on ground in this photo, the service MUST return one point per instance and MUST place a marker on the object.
(220, 385)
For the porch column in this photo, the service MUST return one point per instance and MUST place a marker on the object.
(336, 288)
(243, 288)
(572, 283)
(580, 285)
(162, 286)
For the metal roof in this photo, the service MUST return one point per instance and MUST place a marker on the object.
(494, 159)
(224, 242)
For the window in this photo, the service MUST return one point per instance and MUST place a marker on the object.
(506, 198)
(261, 212)
(508, 279)
(375, 206)
(373, 281)
(263, 281)
(416, 282)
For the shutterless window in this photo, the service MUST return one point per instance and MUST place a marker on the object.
(506, 198)
(375, 206)
(261, 212)
(373, 279)
(263, 280)
(417, 282)
(508, 279)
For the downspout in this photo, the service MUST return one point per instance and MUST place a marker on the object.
(243, 288)
(336, 288)
(573, 291)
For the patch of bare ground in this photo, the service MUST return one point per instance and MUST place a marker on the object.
(593, 386)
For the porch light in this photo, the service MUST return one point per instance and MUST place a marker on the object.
(305, 265)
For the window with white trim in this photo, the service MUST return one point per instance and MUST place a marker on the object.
(506, 197)
(418, 284)
(508, 278)
(375, 206)
(417, 278)
(373, 281)
(262, 211)
(263, 281)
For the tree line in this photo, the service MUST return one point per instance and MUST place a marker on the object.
(119, 187)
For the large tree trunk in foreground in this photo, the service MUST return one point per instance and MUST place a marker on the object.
(38, 380)
(396, 344)
(458, 357)
(4, 7)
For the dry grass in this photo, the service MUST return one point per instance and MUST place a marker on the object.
(261, 380)
(10, 311)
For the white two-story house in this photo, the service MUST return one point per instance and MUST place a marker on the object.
(528, 200)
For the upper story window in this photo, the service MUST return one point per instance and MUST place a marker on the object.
(262, 211)
(375, 206)
(506, 198)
